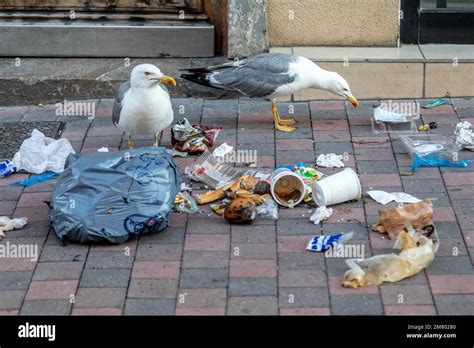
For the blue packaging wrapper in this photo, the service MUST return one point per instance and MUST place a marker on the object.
(7, 167)
(323, 243)
(437, 161)
(35, 179)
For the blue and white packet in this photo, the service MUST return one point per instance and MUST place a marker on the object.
(7, 167)
(323, 243)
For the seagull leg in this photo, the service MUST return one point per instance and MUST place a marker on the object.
(130, 142)
(281, 122)
(276, 120)
(155, 141)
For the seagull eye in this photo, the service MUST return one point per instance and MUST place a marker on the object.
(147, 73)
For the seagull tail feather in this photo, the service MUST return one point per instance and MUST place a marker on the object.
(198, 78)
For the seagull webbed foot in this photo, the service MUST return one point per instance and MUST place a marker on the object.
(287, 122)
(130, 142)
(284, 128)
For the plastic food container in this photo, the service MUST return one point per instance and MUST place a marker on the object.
(427, 144)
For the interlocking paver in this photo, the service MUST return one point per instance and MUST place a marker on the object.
(201, 265)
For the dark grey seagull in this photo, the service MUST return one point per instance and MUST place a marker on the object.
(271, 75)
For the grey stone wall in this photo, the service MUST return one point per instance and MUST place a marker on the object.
(247, 28)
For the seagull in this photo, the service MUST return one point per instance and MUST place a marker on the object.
(271, 75)
(143, 105)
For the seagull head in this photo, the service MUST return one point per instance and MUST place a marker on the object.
(148, 75)
(338, 85)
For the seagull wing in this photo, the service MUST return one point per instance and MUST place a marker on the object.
(257, 76)
(123, 88)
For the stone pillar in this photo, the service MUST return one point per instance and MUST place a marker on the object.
(247, 28)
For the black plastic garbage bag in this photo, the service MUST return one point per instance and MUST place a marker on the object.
(112, 196)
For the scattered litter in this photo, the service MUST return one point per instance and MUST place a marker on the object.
(244, 185)
(111, 197)
(103, 149)
(209, 170)
(394, 221)
(268, 209)
(35, 179)
(7, 224)
(322, 213)
(387, 116)
(385, 197)
(389, 121)
(464, 135)
(323, 243)
(337, 188)
(427, 126)
(185, 203)
(432, 151)
(287, 187)
(434, 104)
(39, 154)
(417, 253)
(241, 211)
(193, 139)
(222, 150)
(330, 160)
(437, 161)
(7, 168)
(219, 208)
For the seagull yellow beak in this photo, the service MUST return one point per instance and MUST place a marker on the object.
(353, 100)
(168, 80)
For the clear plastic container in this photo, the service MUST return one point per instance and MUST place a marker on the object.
(388, 119)
(428, 144)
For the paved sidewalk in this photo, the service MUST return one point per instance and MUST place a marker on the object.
(203, 265)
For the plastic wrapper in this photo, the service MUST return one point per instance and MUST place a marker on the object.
(35, 179)
(436, 160)
(268, 209)
(111, 197)
(185, 203)
(193, 139)
(211, 171)
(430, 144)
(39, 154)
(6, 168)
(387, 121)
(323, 243)
(464, 135)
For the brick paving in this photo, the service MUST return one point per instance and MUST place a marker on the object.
(203, 266)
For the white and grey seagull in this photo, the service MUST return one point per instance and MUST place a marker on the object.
(271, 75)
(142, 105)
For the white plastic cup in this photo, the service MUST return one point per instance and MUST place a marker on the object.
(337, 188)
(285, 181)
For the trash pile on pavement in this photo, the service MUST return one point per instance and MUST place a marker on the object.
(111, 197)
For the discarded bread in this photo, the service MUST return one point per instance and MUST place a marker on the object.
(393, 221)
(418, 252)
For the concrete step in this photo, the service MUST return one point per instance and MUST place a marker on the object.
(27, 81)
(102, 38)
(411, 71)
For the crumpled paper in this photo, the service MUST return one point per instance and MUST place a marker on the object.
(330, 160)
(464, 135)
(322, 213)
(222, 150)
(7, 224)
(385, 197)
